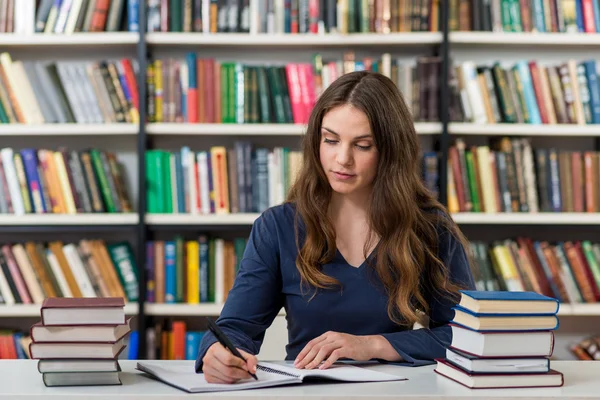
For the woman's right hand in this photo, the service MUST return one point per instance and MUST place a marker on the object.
(220, 366)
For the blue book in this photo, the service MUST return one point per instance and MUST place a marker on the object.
(509, 303)
(504, 322)
(132, 353)
(192, 344)
(170, 273)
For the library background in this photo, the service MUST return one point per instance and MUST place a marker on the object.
(141, 139)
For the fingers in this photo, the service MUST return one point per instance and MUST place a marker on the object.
(220, 366)
(322, 354)
(317, 354)
(333, 357)
(308, 348)
(251, 361)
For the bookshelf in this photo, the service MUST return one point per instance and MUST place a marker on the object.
(299, 40)
(14, 41)
(423, 128)
(33, 310)
(67, 129)
(459, 46)
(503, 129)
(519, 39)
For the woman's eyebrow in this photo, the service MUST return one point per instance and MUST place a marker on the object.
(367, 136)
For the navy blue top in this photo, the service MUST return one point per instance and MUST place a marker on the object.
(269, 280)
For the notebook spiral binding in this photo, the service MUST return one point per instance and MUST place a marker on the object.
(274, 371)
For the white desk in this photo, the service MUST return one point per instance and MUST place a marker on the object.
(20, 380)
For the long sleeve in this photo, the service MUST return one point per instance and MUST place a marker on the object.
(421, 346)
(256, 297)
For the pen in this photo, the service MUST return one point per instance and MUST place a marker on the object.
(224, 340)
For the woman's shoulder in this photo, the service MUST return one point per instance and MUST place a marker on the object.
(278, 219)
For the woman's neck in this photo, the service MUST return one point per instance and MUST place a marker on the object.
(343, 206)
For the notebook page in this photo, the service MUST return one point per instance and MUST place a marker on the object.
(339, 372)
(185, 378)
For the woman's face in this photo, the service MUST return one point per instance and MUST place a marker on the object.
(347, 151)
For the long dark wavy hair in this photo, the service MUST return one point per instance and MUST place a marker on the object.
(403, 212)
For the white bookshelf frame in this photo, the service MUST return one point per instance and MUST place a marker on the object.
(34, 310)
(70, 219)
(542, 218)
(423, 128)
(562, 218)
(504, 129)
(212, 309)
(73, 39)
(292, 40)
(524, 39)
(72, 129)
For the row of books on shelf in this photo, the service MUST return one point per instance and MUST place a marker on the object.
(525, 16)
(587, 349)
(220, 180)
(568, 271)
(298, 16)
(192, 271)
(33, 271)
(202, 270)
(510, 176)
(172, 340)
(527, 92)
(65, 17)
(36, 92)
(61, 182)
(207, 90)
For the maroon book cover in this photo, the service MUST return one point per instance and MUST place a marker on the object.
(83, 302)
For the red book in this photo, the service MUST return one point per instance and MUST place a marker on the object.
(83, 311)
(494, 380)
(99, 17)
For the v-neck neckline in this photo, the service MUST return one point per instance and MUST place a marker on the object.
(340, 255)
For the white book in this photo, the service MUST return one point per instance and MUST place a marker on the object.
(78, 270)
(5, 291)
(11, 178)
(29, 275)
(203, 181)
(58, 273)
(182, 375)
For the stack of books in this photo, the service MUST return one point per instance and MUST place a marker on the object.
(78, 341)
(501, 340)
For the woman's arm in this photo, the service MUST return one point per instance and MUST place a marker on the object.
(256, 297)
(420, 347)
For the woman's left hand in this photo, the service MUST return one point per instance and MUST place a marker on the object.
(331, 346)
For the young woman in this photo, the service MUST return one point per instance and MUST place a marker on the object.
(358, 253)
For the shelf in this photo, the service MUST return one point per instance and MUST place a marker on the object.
(586, 309)
(199, 219)
(566, 130)
(34, 310)
(69, 219)
(423, 128)
(224, 129)
(67, 129)
(182, 309)
(202, 309)
(525, 38)
(74, 39)
(294, 40)
(528, 218)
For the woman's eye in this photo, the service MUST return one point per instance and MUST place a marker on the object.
(329, 141)
(365, 148)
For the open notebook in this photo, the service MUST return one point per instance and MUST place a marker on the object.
(184, 377)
